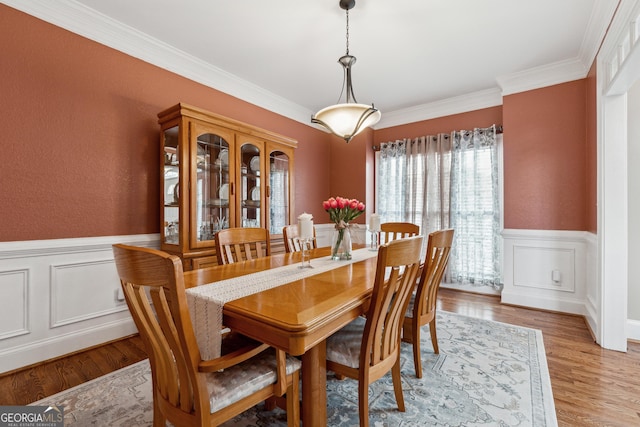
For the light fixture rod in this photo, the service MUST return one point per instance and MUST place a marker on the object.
(347, 61)
(348, 119)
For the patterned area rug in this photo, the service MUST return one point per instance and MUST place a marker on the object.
(487, 374)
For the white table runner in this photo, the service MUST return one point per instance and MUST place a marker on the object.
(207, 301)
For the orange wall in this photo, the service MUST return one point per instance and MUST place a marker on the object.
(549, 162)
(80, 139)
(545, 158)
(351, 170)
(80, 142)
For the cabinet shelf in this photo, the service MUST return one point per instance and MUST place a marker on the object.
(216, 204)
(250, 203)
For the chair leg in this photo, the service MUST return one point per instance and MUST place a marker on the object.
(417, 359)
(158, 418)
(270, 404)
(407, 335)
(363, 402)
(397, 385)
(434, 336)
(293, 402)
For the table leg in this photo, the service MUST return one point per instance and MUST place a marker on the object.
(314, 386)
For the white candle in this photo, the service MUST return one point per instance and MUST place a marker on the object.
(305, 226)
(374, 222)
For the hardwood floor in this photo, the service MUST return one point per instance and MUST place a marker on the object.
(42, 380)
(591, 386)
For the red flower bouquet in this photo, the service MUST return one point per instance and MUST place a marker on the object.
(341, 212)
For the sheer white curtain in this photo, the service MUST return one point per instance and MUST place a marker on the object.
(442, 181)
(475, 208)
(413, 182)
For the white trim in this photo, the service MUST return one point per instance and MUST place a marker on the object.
(613, 180)
(633, 329)
(528, 278)
(459, 104)
(592, 291)
(613, 223)
(546, 75)
(51, 347)
(601, 16)
(87, 22)
(34, 248)
(57, 320)
(619, 54)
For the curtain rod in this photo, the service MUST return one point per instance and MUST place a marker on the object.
(499, 130)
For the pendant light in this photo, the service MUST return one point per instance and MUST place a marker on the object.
(347, 119)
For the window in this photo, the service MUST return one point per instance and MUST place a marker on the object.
(448, 181)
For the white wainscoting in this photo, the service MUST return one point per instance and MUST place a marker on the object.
(551, 270)
(324, 233)
(530, 257)
(60, 296)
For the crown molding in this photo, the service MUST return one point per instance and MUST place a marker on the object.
(86, 22)
(445, 107)
(620, 53)
(545, 75)
(599, 21)
(567, 70)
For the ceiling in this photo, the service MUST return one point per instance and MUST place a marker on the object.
(416, 58)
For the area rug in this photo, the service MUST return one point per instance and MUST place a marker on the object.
(487, 374)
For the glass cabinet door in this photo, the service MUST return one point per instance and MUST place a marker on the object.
(279, 193)
(171, 191)
(250, 183)
(212, 169)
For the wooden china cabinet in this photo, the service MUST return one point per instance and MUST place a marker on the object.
(218, 173)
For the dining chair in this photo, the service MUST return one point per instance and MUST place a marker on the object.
(189, 391)
(240, 244)
(422, 304)
(367, 348)
(397, 230)
(291, 241)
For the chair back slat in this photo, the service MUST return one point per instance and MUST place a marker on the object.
(423, 311)
(153, 285)
(169, 339)
(396, 274)
(241, 244)
(292, 243)
(390, 231)
(435, 264)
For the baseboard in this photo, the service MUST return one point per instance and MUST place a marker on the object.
(50, 348)
(543, 303)
(633, 330)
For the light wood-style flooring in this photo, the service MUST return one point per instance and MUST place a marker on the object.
(591, 386)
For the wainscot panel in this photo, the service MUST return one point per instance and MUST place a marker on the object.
(60, 296)
(546, 269)
(14, 285)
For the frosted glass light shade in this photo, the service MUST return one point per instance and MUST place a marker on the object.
(347, 120)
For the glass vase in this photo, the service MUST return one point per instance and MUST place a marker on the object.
(341, 244)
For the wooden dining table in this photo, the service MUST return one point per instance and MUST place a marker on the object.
(298, 316)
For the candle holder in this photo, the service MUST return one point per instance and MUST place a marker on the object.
(373, 246)
(305, 245)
